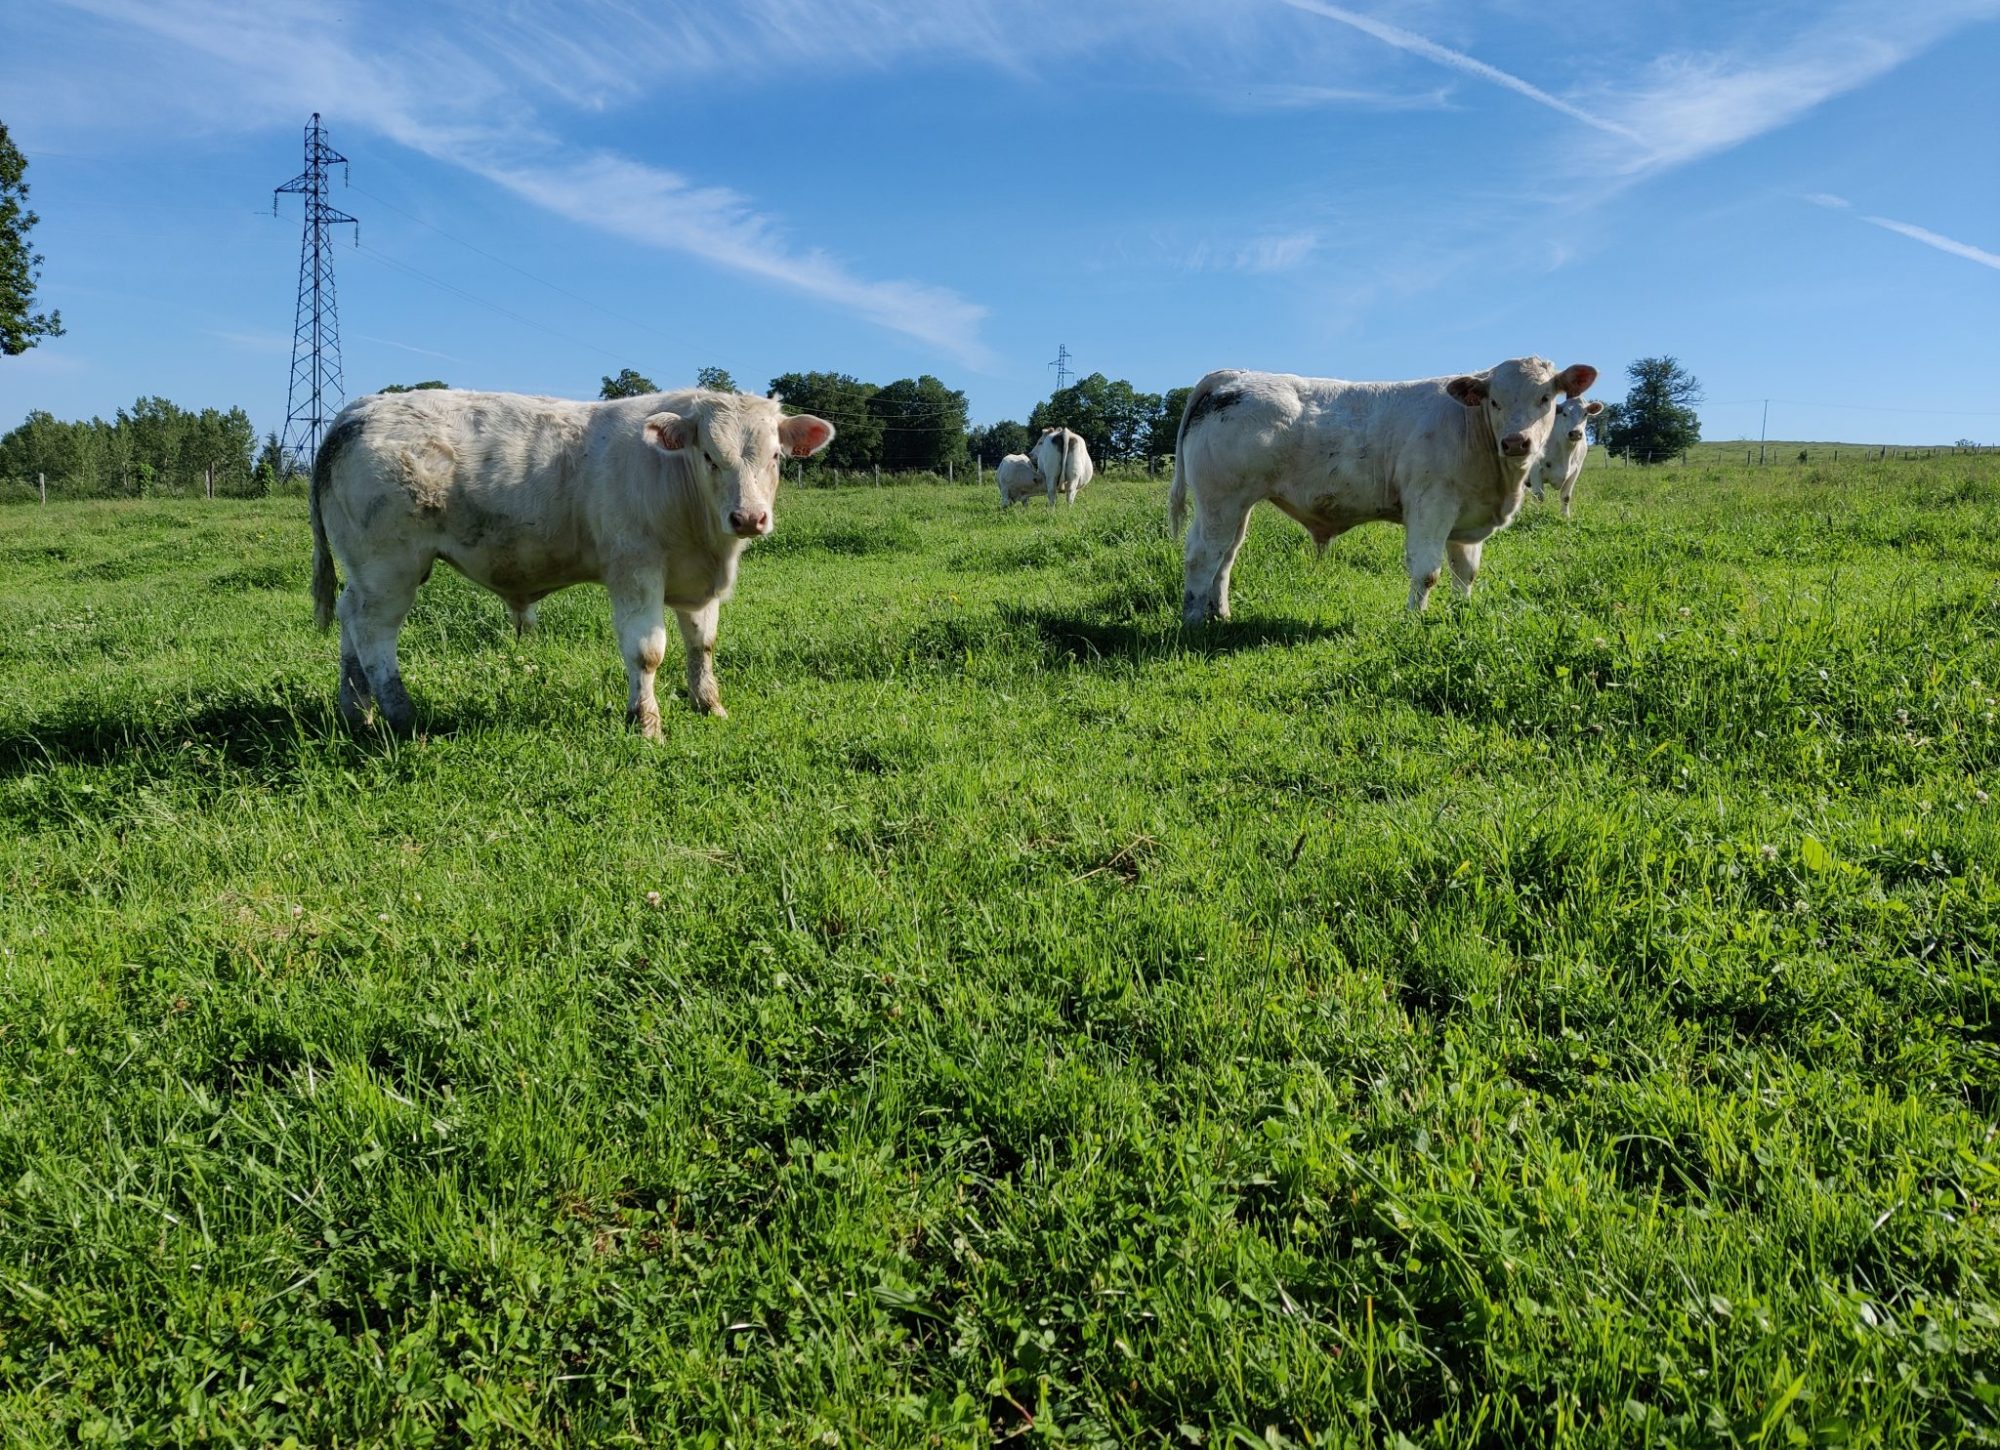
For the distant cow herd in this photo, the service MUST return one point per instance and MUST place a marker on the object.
(655, 497)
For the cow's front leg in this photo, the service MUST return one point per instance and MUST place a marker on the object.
(639, 615)
(1569, 492)
(1425, 533)
(1464, 566)
(698, 634)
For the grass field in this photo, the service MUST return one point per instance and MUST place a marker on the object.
(1566, 1018)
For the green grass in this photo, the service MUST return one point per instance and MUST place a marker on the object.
(1565, 1019)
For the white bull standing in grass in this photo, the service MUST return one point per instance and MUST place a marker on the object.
(1019, 479)
(1064, 461)
(1569, 443)
(654, 497)
(1448, 458)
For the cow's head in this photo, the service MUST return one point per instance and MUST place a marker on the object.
(734, 447)
(1569, 441)
(1518, 399)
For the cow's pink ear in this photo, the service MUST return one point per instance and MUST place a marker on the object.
(1592, 408)
(805, 435)
(669, 432)
(1575, 380)
(1469, 391)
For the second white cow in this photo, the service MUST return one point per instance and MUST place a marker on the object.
(1064, 461)
(1569, 442)
(1019, 478)
(1449, 458)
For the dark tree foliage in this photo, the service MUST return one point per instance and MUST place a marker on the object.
(422, 387)
(843, 401)
(154, 447)
(923, 424)
(628, 384)
(991, 442)
(1657, 419)
(716, 380)
(1165, 431)
(1118, 422)
(20, 267)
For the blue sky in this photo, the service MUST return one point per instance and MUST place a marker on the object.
(1796, 199)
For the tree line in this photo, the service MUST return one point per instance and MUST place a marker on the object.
(151, 449)
(909, 425)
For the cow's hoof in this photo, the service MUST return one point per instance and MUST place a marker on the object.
(711, 707)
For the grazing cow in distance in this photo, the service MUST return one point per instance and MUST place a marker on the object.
(1569, 442)
(1064, 460)
(1019, 479)
(654, 497)
(1448, 458)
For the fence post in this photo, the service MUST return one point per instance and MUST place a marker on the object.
(209, 474)
(949, 465)
(42, 482)
(979, 472)
(878, 475)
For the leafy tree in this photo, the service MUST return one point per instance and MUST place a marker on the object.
(1657, 419)
(991, 442)
(1164, 435)
(20, 268)
(272, 467)
(716, 379)
(415, 387)
(1602, 425)
(843, 401)
(628, 384)
(923, 424)
(1115, 419)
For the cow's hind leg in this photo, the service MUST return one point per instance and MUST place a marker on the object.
(1464, 566)
(698, 635)
(354, 694)
(1212, 544)
(372, 609)
(639, 615)
(1569, 492)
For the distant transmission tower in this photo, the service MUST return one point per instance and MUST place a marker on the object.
(316, 392)
(1061, 365)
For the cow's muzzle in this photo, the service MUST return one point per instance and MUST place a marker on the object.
(1514, 445)
(746, 524)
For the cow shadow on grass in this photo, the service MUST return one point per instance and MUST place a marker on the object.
(267, 732)
(1085, 636)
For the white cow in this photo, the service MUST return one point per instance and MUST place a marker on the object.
(1449, 458)
(1064, 460)
(1019, 479)
(653, 497)
(1569, 442)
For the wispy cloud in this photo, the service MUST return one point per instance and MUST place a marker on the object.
(1932, 239)
(1689, 106)
(1269, 252)
(1457, 60)
(479, 122)
(407, 347)
(1909, 229)
(1301, 97)
(270, 342)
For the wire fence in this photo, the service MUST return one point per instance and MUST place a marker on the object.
(972, 473)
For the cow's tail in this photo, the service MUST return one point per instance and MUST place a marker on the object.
(1062, 468)
(1177, 496)
(324, 581)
